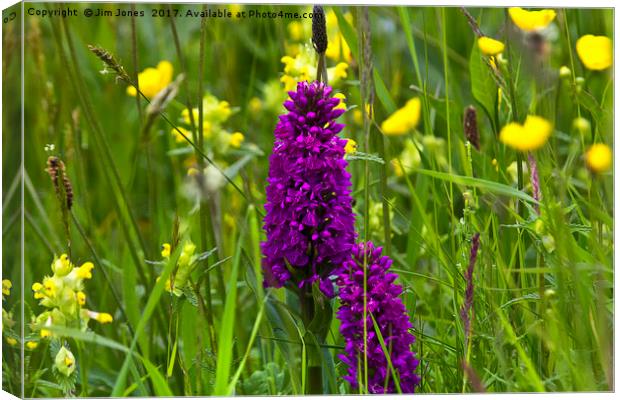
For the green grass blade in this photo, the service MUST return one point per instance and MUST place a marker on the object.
(225, 338)
(151, 304)
(483, 184)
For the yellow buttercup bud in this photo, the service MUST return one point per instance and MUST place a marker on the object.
(582, 125)
(565, 72)
(32, 345)
(11, 341)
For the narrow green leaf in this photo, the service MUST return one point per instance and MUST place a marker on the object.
(478, 183)
(225, 338)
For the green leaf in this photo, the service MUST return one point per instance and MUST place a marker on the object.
(382, 93)
(151, 304)
(159, 383)
(479, 183)
(358, 155)
(225, 338)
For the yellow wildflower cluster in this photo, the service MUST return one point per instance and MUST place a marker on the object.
(6, 288)
(532, 135)
(186, 264)
(7, 317)
(152, 80)
(531, 20)
(302, 67)
(337, 48)
(62, 294)
(215, 113)
(403, 120)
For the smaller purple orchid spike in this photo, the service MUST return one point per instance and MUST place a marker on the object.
(383, 302)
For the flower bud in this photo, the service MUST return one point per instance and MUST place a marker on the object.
(539, 226)
(582, 125)
(565, 72)
(64, 361)
(549, 243)
(61, 265)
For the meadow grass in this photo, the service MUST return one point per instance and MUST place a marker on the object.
(542, 311)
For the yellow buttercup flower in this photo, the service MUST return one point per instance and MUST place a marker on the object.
(489, 46)
(152, 80)
(403, 120)
(85, 271)
(165, 249)
(532, 135)
(236, 139)
(350, 147)
(45, 333)
(531, 20)
(6, 287)
(11, 341)
(595, 52)
(32, 345)
(599, 158)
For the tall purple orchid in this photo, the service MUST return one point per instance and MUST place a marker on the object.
(309, 219)
(384, 305)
